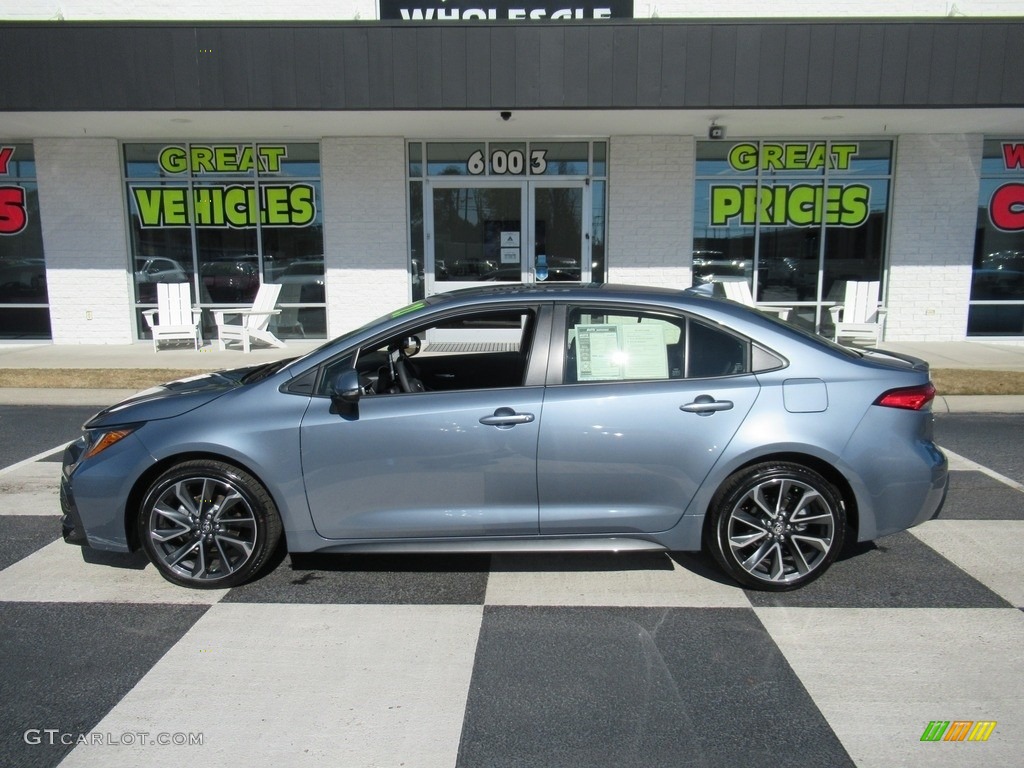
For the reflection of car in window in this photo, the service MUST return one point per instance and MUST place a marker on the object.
(1000, 276)
(23, 280)
(709, 266)
(159, 269)
(230, 281)
(308, 276)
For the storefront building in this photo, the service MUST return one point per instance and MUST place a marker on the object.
(397, 150)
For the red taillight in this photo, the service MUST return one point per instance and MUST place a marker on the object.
(910, 398)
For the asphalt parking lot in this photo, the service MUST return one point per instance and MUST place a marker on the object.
(628, 660)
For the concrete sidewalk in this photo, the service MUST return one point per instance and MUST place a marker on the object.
(14, 355)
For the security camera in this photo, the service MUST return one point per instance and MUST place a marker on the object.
(506, 116)
(716, 132)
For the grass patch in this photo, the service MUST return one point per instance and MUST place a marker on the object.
(948, 381)
(90, 378)
(967, 381)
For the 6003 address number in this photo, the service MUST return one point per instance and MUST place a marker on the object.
(508, 162)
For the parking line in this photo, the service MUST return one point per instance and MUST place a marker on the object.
(31, 459)
(965, 464)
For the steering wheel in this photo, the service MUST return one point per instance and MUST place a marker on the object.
(406, 373)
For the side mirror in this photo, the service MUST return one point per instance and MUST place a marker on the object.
(346, 388)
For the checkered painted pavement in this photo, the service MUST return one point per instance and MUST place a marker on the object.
(545, 660)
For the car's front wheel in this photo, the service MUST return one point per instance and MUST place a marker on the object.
(776, 526)
(208, 525)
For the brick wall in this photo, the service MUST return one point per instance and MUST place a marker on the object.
(82, 211)
(935, 202)
(366, 241)
(650, 210)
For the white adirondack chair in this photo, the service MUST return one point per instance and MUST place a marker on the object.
(859, 317)
(174, 319)
(739, 290)
(253, 321)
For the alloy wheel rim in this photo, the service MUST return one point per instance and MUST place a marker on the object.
(781, 530)
(203, 528)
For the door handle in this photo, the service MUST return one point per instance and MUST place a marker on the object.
(506, 417)
(705, 405)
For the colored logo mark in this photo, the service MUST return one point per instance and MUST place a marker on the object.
(958, 730)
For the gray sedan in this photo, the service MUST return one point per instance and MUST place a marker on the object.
(514, 419)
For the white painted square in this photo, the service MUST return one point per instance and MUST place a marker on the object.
(296, 685)
(31, 489)
(59, 573)
(989, 550)
(879, 676)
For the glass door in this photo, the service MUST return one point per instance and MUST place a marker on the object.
(474, 235)
(511, 232)
(559, 232)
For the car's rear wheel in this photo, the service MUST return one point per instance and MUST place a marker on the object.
(776, 526)
(208, 525)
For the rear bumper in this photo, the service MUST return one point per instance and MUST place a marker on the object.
(942, 501)
(917, 502)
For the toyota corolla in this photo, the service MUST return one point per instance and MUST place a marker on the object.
(516, 419)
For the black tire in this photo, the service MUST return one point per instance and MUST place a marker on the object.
(208, 525)
(776, 526)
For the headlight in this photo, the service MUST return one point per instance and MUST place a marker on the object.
(100, 440)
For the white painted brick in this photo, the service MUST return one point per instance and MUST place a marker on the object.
(82, 212)
(650, 210)
(935, 200)
(366, 240)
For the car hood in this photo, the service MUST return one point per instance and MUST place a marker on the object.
(172, 399)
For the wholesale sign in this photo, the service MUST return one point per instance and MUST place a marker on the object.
(803, 204)
(235, 205)
(505, 10)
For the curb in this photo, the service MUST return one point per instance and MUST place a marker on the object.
(979, 404)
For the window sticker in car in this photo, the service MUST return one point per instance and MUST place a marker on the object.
(613, 352)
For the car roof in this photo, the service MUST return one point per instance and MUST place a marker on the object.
(559, 291)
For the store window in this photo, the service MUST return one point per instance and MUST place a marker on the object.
(506, 211)
(24, 309)
(795, 220)
(997, 285)
(225, 218)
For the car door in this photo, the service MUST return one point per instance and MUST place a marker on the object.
(639, 420)
(460, 462)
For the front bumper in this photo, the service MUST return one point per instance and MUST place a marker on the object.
(70, 522)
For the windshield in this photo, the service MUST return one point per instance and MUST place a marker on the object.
(266, 370)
